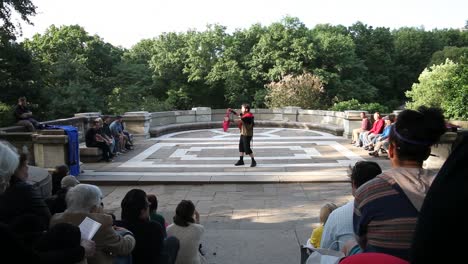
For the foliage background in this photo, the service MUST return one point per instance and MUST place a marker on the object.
(66, 70)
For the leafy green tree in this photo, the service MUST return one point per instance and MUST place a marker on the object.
(24, 8)
(375, 48)
(413, 50)
(284, 48)
(444, 86)
(305, 90)
(77, 70)
(454, 54)
(338, 65)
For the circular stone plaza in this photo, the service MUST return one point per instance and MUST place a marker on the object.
(256, 214)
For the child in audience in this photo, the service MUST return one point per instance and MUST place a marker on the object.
(316, 235)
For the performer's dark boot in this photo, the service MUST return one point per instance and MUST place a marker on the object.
(240, 161)
(254, 163)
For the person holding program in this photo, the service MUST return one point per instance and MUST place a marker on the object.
(246, 125)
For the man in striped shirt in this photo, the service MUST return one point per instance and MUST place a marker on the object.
(387, 207)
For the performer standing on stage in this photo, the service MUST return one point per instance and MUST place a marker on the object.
(246, 125)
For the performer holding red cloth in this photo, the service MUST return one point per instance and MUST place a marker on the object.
(246, 125)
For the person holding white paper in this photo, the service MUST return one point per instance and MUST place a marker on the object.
(84, 201)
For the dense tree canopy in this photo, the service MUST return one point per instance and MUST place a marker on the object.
(444, 86)
(67, 70)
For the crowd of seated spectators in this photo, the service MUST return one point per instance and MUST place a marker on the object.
(34, 229)
(374, 138)
(394, 214)
(392, 218)
(109, 136)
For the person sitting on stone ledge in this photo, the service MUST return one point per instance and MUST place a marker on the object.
(388, 121)
(365, 126)
(151, 247)
(117, 132)
(24, 116)
(366, 137)
(386, 208)
(95, 140)
(106, 131)
(85, 200)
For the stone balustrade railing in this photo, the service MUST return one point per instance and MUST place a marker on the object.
(139, 124)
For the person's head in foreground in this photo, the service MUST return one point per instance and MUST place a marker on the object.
(84, 198)
(413, 135)
(184, 213)
(135, 206)
(9, 161)
(362, 172)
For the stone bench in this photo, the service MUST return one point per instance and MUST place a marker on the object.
(166, 129)
(90, 154)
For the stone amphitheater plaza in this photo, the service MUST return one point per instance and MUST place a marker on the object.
(251, 215)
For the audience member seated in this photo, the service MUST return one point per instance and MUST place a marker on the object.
(366, 137)
(21, 198)
(95, 140)
(128, 137)
(57, 203)
(24, 116)
(316, 235)
(83, 201)
(442, 221)
(389, 121)
(117, 132)
(187, 229)
(365, 126)
(339, 226)
(106, 132)
(387, 207)
(57, 176)
(149, 235)
(154, 216)
(23, 239)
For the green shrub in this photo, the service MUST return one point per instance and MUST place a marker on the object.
(6, 115)
(354, 104)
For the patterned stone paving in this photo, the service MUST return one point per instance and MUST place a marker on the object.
(283, 155)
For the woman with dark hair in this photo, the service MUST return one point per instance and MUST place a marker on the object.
(386, 208)
(187, 229)
(153, 215)
(149, 235)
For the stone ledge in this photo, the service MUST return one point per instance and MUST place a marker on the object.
(166, 129)
(90, 154)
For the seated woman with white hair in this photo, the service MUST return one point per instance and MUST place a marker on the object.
(85, 200)
(22, 232)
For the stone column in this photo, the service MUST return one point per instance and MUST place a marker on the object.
(88, 119)
(50, 148)
(138, 123)
(290, 113)
(351, 121)
(202, 114)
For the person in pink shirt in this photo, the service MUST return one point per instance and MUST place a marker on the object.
(377, 128)
(365, 125)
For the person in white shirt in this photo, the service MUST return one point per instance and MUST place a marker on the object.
(339, 227)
